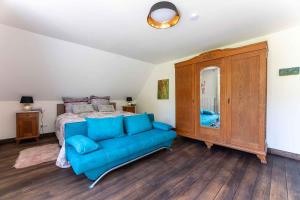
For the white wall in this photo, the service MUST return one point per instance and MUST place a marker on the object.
(48, 68)
(164, 110)
(283, 97)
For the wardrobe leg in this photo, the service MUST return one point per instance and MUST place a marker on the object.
(209, 145)
(263, 158)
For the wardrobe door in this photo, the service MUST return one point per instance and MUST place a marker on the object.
(184, 76)
(210, 97)
(246, 100)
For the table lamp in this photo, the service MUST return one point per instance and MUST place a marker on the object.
(26, 101)
(129, 100)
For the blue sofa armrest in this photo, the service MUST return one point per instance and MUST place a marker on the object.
(162, 126)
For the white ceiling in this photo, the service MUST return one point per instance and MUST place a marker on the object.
(119, 26)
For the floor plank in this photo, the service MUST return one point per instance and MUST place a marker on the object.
(278, 182)
(293, 179)
(214, 186)
(229, 189)
(262, 186)
(246, 186)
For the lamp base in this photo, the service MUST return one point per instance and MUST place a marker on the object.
(27, 107)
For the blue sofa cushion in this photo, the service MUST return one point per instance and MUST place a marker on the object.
(118, 148)
(82, 144)
(137, 123)
(162, 126)
(105, 128)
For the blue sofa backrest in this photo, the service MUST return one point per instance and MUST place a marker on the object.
(80, 128)
(151, 117)
(77, 128)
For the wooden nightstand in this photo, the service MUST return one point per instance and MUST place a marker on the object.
(27, 125)
(129, 109)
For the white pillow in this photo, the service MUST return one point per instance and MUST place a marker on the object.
(106, 108)
(82, 108)
(97, 102)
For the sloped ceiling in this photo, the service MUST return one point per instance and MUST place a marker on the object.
(120, 26)
(48, 68)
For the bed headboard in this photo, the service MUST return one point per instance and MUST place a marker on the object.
(60, 108)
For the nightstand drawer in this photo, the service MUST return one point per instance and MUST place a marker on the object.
(129, 109)
(27, 125)
(27, 115)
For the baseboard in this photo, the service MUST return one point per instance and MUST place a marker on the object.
(9, 140)
(12, 140)
(285, 154)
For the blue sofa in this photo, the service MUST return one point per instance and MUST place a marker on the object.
(98, 146)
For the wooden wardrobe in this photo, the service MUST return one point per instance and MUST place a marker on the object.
(228, 109)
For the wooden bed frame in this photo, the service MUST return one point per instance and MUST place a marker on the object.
(60, 108)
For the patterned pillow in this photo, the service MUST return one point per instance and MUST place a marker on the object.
(96, 97)
(70, 101)
(69, 106)
(97, 102)
(75, 99)
(82, 108)
(106, 108)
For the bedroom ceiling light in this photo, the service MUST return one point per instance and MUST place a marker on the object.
(163, 15)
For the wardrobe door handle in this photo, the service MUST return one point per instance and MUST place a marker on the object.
(228, 100)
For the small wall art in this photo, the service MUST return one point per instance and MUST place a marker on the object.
(163, 89)
(289, 71)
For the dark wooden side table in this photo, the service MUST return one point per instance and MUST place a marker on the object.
(27, 125)
(129, 109)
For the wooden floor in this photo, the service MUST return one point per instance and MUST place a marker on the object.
(190, 171)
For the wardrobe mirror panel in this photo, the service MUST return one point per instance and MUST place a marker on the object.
(210, 97)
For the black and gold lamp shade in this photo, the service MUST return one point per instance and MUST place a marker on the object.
(163, 8)
(26, 101)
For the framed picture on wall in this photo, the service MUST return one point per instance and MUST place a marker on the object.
(163, 89)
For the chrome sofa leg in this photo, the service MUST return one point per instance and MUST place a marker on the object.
(96, 181)
(116, 167)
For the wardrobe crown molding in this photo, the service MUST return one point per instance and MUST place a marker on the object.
(221, 53)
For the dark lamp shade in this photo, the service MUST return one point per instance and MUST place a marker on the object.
(26, 99)
(128, 98)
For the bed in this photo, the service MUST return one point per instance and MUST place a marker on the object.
(63, 118)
